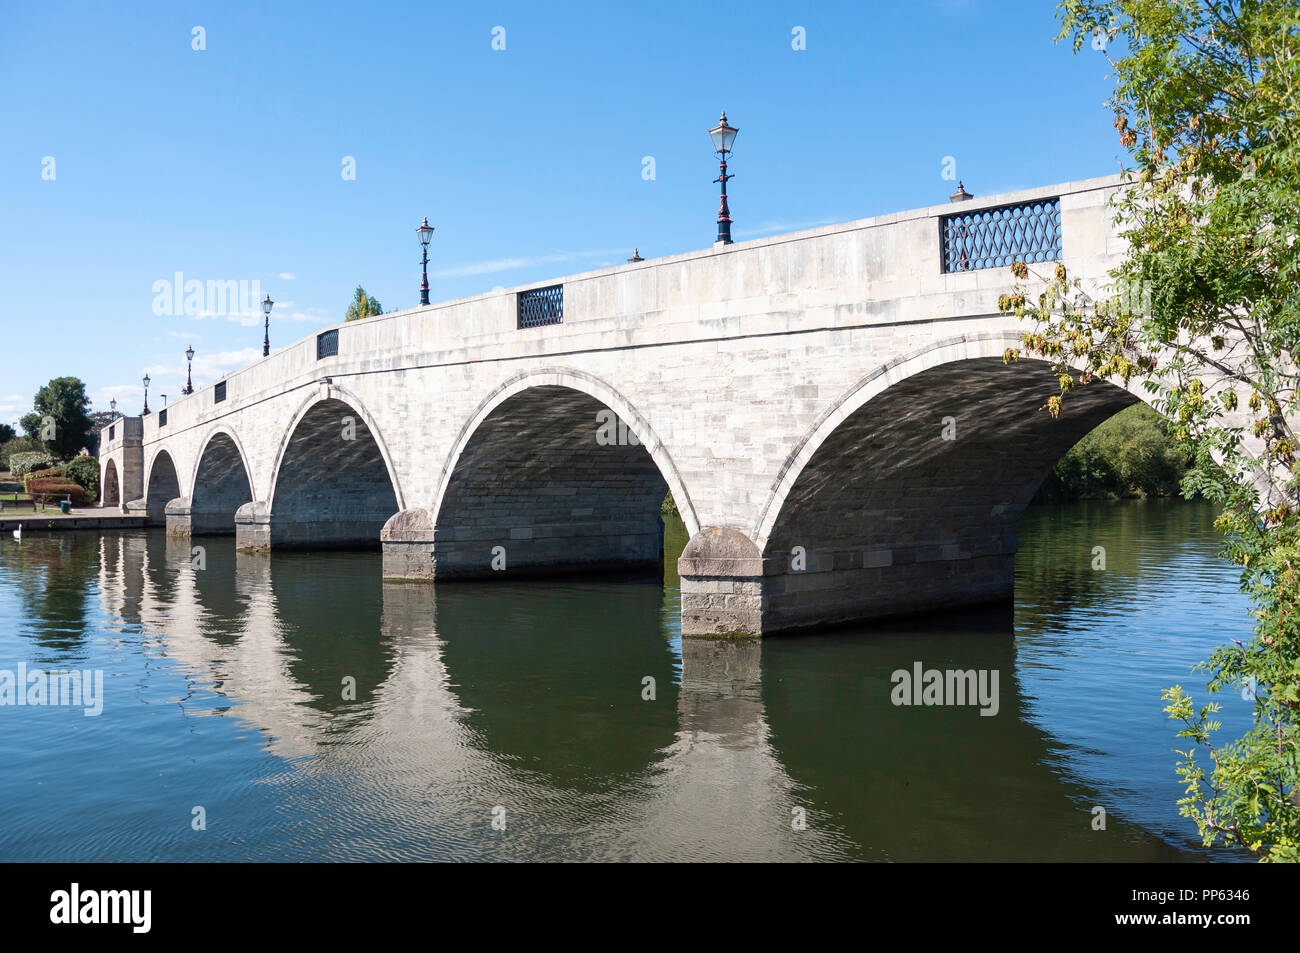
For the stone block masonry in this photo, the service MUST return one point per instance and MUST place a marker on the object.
(829, 409)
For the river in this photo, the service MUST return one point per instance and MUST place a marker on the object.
(295, 707)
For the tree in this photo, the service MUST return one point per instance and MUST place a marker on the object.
(1131, 454)
(7, 433)
(1207, 104)
(60, 421)
(362, 306)
(99, 419)
(31, 424)
(17, 445)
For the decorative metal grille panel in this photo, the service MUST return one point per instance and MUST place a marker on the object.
(162, 417)
(994, 237)
(541, 306)
(219, 392)
(327, 344)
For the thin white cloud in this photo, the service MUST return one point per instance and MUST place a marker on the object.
(130, 398)
(776, 228)
(286, 276)
(13, 406)
(494, 265)
(207, 368)
(286, 311)
(315, 315)
(245, 318)
(282, 311)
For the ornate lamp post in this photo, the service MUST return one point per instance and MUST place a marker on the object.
(146, 396)
(425, 232)
(267, 304)
(723, 136)
(189, 366)
(112, 408)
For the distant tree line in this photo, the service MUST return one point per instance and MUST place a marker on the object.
(1131, 455)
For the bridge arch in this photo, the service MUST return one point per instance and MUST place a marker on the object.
(221, 482)
(333, 482)
(594, 387)
(906, 492)
(555, 471)
(110, 486)
(161, 485)
(950, 352)
(908, 365)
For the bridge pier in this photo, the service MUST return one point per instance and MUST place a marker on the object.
(177, 517)
(183, 518)
(472, 551)
(729, 588)
(407, 542)
(154, 515)
(257, 528)
(253, 527)
(724, 590)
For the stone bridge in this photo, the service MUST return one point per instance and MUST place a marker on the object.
(829, 409)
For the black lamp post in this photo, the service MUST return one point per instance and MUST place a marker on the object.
(723, 136)
(189, 366)
(112, 408)
(267, 304)
(146, 396)
(425, 231)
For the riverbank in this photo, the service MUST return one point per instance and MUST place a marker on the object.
(84, 518)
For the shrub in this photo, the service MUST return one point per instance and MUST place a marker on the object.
(50, 473)
(57, 487)
(44, 474)
(21, 464)
(18, 445)
(84, 471)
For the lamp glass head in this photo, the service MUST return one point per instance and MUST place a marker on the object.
(723, 135)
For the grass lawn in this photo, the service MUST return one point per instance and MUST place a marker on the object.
(11, 497)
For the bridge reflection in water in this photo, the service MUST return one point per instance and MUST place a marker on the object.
(226, 689)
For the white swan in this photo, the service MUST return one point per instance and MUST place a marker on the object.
(18, 533)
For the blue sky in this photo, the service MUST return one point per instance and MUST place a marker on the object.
(227, 163)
